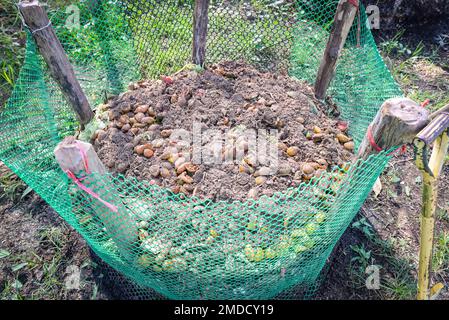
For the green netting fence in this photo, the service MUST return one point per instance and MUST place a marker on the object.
(293, 232)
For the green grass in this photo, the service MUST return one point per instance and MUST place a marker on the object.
(11, 290)
(396, 275)
(11, 187)
(11, 48)
(400, 288)
(440, 262)
(51, 282)
(419, 72)
(51, 285)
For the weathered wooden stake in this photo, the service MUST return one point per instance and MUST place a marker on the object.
(71, 155)
(344, 17)
(53, 53)
(200, 22)
(398, 121)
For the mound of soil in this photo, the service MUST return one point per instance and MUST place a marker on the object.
(193, 132)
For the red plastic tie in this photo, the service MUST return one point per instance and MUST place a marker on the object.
(77, 181)
(425, 103)
(369, 135)
(372, 142)
(90, 191)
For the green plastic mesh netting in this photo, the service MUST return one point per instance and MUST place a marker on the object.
(117, 42)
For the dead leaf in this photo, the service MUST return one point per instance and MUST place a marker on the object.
(377, 188)
(435, 291)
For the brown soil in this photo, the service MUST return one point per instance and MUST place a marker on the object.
(141, 139)
(394, 215)
(40, 247)
(32, 213)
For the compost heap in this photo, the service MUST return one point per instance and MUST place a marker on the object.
(231, 97)
(137, 139)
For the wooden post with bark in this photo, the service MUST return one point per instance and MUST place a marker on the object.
(50, 48)
(398, 121)
(200, 23)
(395, 114)
(77, 157)
(344, 17)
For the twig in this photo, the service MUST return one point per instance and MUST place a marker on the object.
(392, 163)
(440, 111)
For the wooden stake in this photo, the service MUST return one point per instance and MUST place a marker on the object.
(53, 53)
(71, 155)
(398, 121)
(344, 17)
(200, 23)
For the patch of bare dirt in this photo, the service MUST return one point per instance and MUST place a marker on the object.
(395, 213)
(391, 238)
(38, 253)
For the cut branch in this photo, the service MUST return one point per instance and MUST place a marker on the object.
(53, 53)
(398, 121)
(73, 156)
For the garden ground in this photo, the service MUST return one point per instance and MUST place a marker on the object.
(38, 250)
